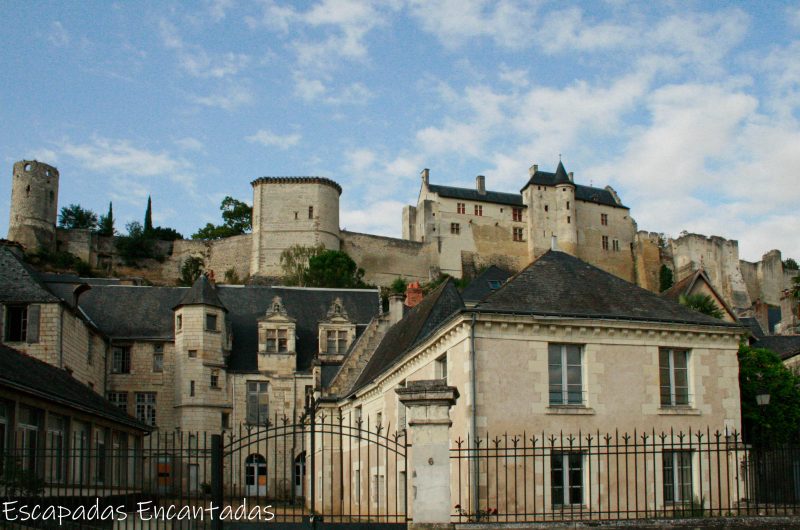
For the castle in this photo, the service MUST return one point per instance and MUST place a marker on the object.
(450, 230)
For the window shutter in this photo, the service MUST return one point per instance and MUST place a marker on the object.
(32, 334)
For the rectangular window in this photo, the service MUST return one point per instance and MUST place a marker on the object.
(277, 340)
(192, 353)
(211, 322)
(120, 399)
(604, 219)
(401, 416)
(455, 228)
(121, 360)
(191, 388)
(158, 357)
(517, 233)
(214, 379)
(605, 242)
(16, 323)
(179, 322)
(378, 489)
(546, 208)
(226, 420)
(569, 219)
(441, 368)
(336, 341)
(615, 244)
(565, 374)
(283, 340)
(478, 209)
(461, 207)
(674, 374)
(257, 402)
(310, 212)
(566, 478)
(146, 407)
(516, 214)
(677, 476)
(90, 352)
(567, 205)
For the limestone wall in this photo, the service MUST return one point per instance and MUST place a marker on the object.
(647, 260)
(219, 255)
(385, 259)
(618, 258)
(34, 205)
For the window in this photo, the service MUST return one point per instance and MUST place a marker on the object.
(226, 420)
(158, 358)
(615, 244)
(192, 353)
(120, 399)
(546, 208)
(461, 207)
(566, 478)
(567, 205)
(478, 209)
(569, 219)
(90, 352)
(379, 489)
(455, 228)
(191, 388)
(211, 322)
(100, 456)
(605, 242)
(56, 427)
(146, 407)
(179, 322)
(441, 368)
(604, 219)
(516, 214)
(517, 233)
(121, 360)
(257, 402)
(357, 413)
(336, 341)
(565, 374)
(16, 323)
(214, 379)
(677, 476)
(401, 416)
(310, 212)
(379, 419)
(674, 375)
(494, 284)
(277, 340)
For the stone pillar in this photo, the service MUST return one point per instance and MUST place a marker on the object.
(428, 413)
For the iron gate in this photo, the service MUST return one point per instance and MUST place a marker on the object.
(313, 471)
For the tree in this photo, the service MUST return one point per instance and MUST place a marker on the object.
(165, 234)
(73, 216)
(664, 278)
(237, 217)
(191, 269)
(791, 264)
(398, 286)
(762, 372)
(148, 217)
(702, 303)
(136, 244)
(105, 227)
(333, 268)
(796, 287)
(294, 263)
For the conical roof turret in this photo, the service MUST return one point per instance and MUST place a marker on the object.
(202, 292)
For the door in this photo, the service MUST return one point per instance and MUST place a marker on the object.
(255, 474)
(299, 474)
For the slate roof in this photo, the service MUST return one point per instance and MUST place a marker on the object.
(558, 284)
(32, 376)
(469, 194)
(479, 288)
(752, 324)
(684, 287)
(417, 324)
(786, 346)
(582, 193)
(19, 282)
(202, 292)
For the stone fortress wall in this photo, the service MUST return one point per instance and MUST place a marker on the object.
(437, 237)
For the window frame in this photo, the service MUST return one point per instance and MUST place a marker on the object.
(455, 228)
(124, 364)
(212, 318)
(518, 233)
(567, 472)
(146, 407)
(516, 214)
(565, 394)
(677, 472)
(479, 210)
(461, 208)
(256, 408)
(674, 397)
(22, 334)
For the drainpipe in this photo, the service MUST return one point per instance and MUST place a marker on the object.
(474, 423)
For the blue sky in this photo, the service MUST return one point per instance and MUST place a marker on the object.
(688, 109)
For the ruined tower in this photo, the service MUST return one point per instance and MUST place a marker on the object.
(291, 211)
(34, 205)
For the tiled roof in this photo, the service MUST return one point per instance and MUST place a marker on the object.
(484, 284)
(559, 284)
(684, 287)
(582, 193)
(469, 194)
(417, 324)
(752, 324)
(202, 292)
(786, 346)
(19, 282)
(26, 374)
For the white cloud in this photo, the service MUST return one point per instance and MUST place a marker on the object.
(196, 61)
(270, 139)
(121, 157)
(567, 29)
(58, 35)
(218, 8)
(380, 217)
(233, 97)
(189, 143)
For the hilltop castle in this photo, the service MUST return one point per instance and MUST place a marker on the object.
(450, 230)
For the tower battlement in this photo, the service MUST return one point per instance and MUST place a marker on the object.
(34, 205)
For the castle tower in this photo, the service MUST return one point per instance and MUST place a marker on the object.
(566, 224)
(291, 211)
(201, 342)
(34, 205)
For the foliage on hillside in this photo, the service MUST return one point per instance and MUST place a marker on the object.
(237, 218)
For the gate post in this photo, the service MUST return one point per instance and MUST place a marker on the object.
(428, 403)
(216, 478)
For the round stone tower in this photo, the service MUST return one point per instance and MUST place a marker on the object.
(34, 205)
(291, 211)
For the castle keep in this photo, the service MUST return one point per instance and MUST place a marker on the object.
(452, 230)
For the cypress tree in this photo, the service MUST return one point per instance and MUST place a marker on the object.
(106, 224)
(148, 218)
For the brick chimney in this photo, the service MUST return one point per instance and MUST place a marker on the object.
(414, 294)
(480, 184)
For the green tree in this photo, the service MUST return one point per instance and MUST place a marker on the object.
(237, 218)
(105, 227)
(796, 287)
(399, 285)
(791, 264)
(702, 303)
(294, 263)
(333, 268)
(148, 217)
(191, 269)
(165, 234)
(73, 216)
(136, 244)
(665, 279)
(762, 372)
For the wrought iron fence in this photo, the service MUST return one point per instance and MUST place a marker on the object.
(612, 476)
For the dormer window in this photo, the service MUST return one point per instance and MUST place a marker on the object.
(277, 340)
(337, 341)
(337, 331)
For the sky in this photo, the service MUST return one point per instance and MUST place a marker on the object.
(690, 110)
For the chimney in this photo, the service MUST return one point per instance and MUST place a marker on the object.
(414, 294)
(480, 184)
(553, 242)
(533, 169)
(396, 307)
(425, 173)
(571, 176)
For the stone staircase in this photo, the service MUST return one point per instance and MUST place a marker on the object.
(359, 356)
